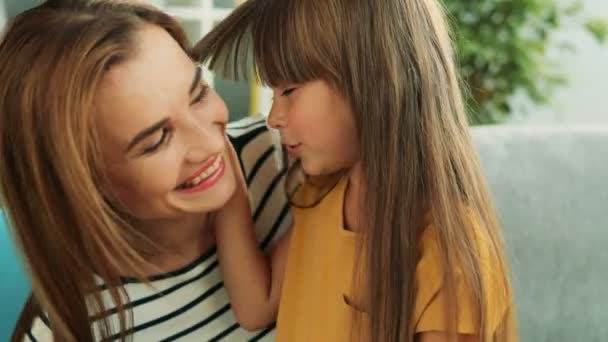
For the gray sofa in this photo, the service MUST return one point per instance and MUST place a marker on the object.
(551, 193)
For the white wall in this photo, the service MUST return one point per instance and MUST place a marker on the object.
(583, 100)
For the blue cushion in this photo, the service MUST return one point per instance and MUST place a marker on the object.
(14, 286)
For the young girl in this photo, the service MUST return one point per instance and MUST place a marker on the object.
(113, 154)
(394, 237)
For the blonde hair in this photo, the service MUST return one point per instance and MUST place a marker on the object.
(393, 62)
(52, 60)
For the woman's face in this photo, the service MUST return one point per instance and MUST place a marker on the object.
(162, 133)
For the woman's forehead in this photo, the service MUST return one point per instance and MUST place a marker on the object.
(152, 84)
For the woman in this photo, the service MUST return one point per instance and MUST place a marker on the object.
(113, 154)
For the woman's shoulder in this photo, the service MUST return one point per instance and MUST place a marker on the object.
(40, 330)
(248, 130)
(257, 148)
(264, 170)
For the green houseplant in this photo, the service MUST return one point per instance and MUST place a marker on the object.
(501, 47)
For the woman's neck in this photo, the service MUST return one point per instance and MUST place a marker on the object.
(352, 199)
(179, 241)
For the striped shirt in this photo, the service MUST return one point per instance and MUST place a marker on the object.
(191, 304)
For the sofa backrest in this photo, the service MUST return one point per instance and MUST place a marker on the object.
(551, 192)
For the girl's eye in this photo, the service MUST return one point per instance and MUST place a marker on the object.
(201, 95)
(164, 138)
(288, 91)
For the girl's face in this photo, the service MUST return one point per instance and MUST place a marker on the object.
(162, 133)
(316, 125)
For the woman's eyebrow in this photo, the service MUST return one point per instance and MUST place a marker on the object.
(196, 80)
(147, 132)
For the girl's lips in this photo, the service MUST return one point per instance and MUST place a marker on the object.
(292, 150)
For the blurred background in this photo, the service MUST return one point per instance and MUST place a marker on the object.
(526, 63)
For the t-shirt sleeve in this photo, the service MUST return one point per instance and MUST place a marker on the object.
(430, 307)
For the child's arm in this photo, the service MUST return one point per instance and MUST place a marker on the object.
(252, 278)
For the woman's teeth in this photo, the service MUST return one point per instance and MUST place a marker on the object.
(210, 171)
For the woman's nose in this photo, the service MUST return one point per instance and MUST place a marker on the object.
(207, 131)
(205, 142)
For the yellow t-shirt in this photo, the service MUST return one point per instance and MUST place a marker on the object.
(318, 281)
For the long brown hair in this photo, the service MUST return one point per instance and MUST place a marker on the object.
(52, 60)
(394, 63)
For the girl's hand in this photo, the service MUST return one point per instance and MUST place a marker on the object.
(235, 164)
(245, 268)
(235, 203)
(252, 278)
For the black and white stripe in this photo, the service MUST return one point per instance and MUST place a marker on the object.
(191, 304)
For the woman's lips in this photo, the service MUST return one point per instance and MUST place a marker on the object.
(205, 177)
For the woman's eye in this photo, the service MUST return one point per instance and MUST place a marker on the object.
(201, 95)
(163, 139)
